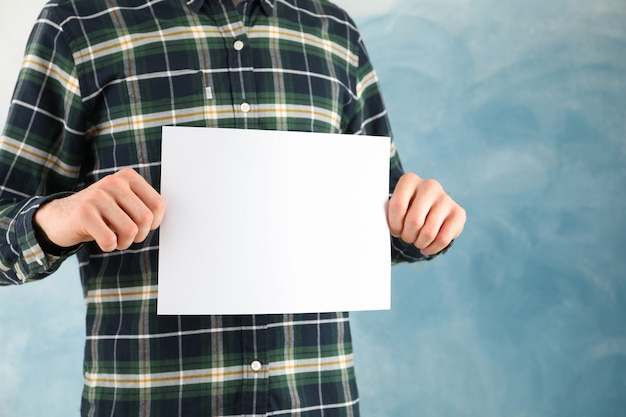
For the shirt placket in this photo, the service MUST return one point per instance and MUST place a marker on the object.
(242, 82)
(255, 355)
(254, 349)
(240, 62)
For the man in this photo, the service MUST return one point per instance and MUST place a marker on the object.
(80, 173)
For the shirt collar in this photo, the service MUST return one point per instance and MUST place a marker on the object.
(266, 5)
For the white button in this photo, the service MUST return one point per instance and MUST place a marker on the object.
(256, 366)
(238, 45)
(245, 107)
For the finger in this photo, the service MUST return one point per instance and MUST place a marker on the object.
(96, 227)
(431, 226)
(141, 216)
(450, 229)
(424, 202)
(421, 210)
(121, 224)
(399, 203)
(121, 209)
(141, 202)
(150, 198)
(104, 237)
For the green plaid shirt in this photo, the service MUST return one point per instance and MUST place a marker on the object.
(99, 80)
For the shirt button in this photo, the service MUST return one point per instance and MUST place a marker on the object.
(238, 45)
(245, 107)
(256, 366)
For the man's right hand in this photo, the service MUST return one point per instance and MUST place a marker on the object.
(115, 212)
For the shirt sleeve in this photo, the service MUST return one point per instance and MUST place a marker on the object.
(370, 118)
(41, 149)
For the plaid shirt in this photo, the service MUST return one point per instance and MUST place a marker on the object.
(99, 80)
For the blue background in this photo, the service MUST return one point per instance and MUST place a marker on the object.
(519, 109)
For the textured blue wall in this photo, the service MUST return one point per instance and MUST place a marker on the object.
(519, 108)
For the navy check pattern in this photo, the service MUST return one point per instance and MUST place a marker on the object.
(99, 80)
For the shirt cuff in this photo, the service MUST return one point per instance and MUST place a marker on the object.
(408, 252)
(34, 260)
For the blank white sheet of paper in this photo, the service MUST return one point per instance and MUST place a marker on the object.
(266, 222)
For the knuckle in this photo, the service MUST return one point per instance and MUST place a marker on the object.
(107, 183)
(130, 231)
(458, 215)
(126, 173)
(158, 205)
(396, 205)
(86, 212)
(461, 213)
(99, 194)
(108, 243)
(428, 234)
(442, 241)
(410, 176)
(145, 217)
(431, 185)
(415, 222)
(125, 229)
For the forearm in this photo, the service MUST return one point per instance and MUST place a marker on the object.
(22, 258)
(41, 149)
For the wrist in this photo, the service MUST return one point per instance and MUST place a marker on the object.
(44, 241)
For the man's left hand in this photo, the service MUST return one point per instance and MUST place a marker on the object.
(422, 213)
